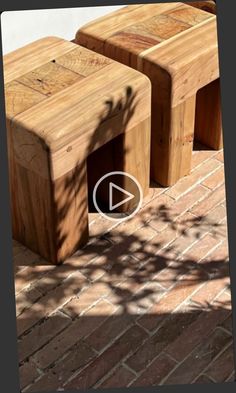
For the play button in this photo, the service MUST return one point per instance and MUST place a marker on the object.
(117, 195)
(113, 187)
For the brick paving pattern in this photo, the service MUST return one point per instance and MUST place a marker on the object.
(146, 302)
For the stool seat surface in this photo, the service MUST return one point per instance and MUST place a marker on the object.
(63, 94)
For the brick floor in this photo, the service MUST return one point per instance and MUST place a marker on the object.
(146, 302)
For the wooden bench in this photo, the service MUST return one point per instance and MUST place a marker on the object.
(175, 45)
(67, 109)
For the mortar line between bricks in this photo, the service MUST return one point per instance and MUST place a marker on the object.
(202, 374)
(179, 215)
(199, 181)
(214, 359)
(214, 154)
(109, 373)
(224, 290)
(31, 284)
(184, 359)
(152, 333)
(53, 289)
(100, 353)
(232, 375)
(143, 206)
(45, 316)
(125, 365)
(65, 355)
(211, 303)
(31, 356)
(152, 361)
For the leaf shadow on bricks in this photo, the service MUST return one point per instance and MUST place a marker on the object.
(124, 306)
(134, 307)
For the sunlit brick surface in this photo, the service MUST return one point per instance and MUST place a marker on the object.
(146, 302)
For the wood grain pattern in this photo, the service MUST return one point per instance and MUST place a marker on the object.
(188, 15)
(50, 78)
(49, 144)
(176, 47)
(26, 59)
(208, 123)
(172, 138)
(185, 57)
(19, 98)
(82, 61)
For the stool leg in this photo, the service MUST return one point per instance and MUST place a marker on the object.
(128, 152)
(71, 211)
(51, 218)
(136, 159)
(172, 140)
(208, 125)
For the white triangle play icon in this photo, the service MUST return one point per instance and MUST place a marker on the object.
(113, 186)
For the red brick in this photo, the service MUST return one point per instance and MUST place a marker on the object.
(200, 249)
(108, 359)
(216, 197)
(199, 359)
(86, 299)
(216, 263)
(121, 271)
(193, 335)
(50, 302)
(169, 276)
(113, 327)
(155, 372)
(26, 299)
(209, 291)
(168, 215)
(28, 258)
(223, 366)
(155, 245)
(200, 155)
(30, 275)
(198, 175)
(120, 378)
(196, 232)
(145, 214)
(28, 373)
(100, 226)
(216, 179)
(77, 330)
(168, 303)
(220, 156)
(173, 327)
(41, 335)
(56, 376)
(231, 378)
(203, 379)
(228, 324)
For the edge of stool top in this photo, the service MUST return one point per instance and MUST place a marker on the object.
(64, 102)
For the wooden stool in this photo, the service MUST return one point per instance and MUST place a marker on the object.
(63, 102)
(175, 45)
(207, 5)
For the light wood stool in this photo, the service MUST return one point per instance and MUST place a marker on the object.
(175, 45)
(68, 107)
